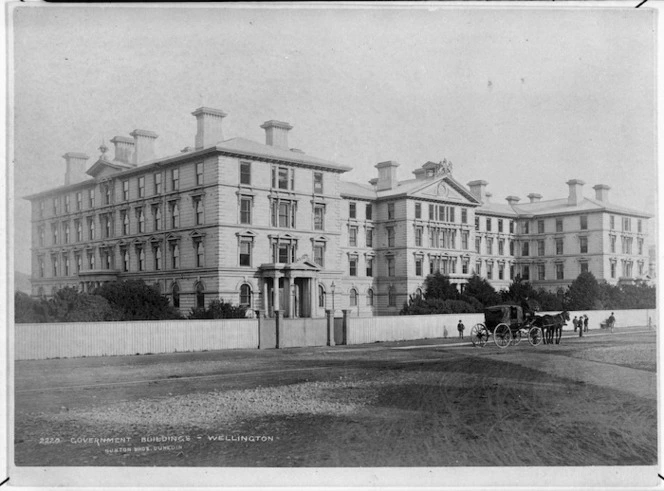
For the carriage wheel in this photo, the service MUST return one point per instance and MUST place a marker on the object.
(479, 335)
(502, 335)
(535, 336)
(516, 337)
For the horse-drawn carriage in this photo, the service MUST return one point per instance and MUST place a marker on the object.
(507, 324)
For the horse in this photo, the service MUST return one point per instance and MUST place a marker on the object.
(552, 326)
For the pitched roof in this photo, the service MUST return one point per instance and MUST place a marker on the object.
(561, 206)
(355, 190)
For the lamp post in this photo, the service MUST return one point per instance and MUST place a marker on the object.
(332, 286)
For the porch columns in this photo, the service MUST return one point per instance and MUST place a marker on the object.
(276, 305)
(266, 300)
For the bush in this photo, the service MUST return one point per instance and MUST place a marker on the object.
(417, 305)
(137, 301)
(219, 309)
(30, 310)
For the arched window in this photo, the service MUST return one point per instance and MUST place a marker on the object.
(200, 296)
(353, 297)
(157, 258)
(370, 297)
(391, 297)
(321, 296)
(245, 295)
(176, 295)
(418, 292)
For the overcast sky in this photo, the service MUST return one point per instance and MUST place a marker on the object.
(525, 99)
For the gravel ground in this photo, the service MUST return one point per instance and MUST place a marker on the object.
(638, 356)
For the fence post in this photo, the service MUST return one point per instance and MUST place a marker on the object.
(330, 326)
(344, 328)
(278, 315)
(259, 317)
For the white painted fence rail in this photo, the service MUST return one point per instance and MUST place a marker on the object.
(77, 339)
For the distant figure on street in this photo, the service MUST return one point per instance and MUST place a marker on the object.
(445, 333)
(611, 321)
(460, 328)
(575, 323)
(585, 323)
(580, 324)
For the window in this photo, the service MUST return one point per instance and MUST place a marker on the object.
(319, 217)
(157, 257)
(501, 271)
(419, 231)
(352, 236)
(318, 182)
(125, 190)
(79, 201)
(369, 211)
(639, 226)
(141, 187)
(511, 244)
(91, 260)
(283, 213)
(65, 265)
(107, 222)
(141, 220)
(613, 243)
(198, 208)
(464, 240)
(284, 251)
(390, 266)
(54, 232)
(124, 217)
(199, 174)
(124, 253)
(584, 222)
(41, 209)
(65, 228)
(319, 253)
(157, 183)
(79, 263)
(369, 237)
(390, 236)
(477, 223)
(54, 263)
(418, 210)
(245, 209)
(352, 210)
(584, 267)
(353, 297)
(640, 243)
(489, 270)
(541, 272)
(42, 267)
(245, 173)
(583, 245)
(321, 296)
(540, 226)
(525, 249)
(245, 252)
(526, 227)
(464, 265)
(501, 247)
(369, 262)
(283, 178)
(42, 235)
(560, 271)
(500, 225)
(489, 246)
(525, 273)
(464, 215)
(540, 247)
(612, 221)
(55, 206)
(352, 265)
(175, 215)
(67, 203)
(511, 226)
(91, 197)
(107, 258)
(559, 224)
(200, 296)
(370, 297)
(478, 244)
(613, 269)
(559, 247)
(391, 297)
(245, 295)
(488, 225)
(418, 266)
(175, 255)
(176, 295)
(200, 253)
(175, 179)
(390, 211)
(627, 224)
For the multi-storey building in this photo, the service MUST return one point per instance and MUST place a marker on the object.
(268, 226)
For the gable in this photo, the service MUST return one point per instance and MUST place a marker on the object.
(444, 189)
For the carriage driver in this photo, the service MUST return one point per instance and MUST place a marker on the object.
(528, 312)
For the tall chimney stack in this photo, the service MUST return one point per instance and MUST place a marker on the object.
(513, 200)
(477, 189)
(534, 197)
(124, 149)
(76, 167)
(602, 192)
(575, 192)
(143, 145)
(387, 175)
(208, 126)
(276, 133)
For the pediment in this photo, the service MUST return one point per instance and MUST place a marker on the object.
(445, 189)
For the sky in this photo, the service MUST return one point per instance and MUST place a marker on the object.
(523, 98)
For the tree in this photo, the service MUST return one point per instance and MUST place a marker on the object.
(583, 293)
(219, 309)
(438, 286)
(69, 305)
(417, 305)
(30, 310)
(480, 289)
(549, 301)
(137, 301)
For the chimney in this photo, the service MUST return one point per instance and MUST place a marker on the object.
(76, 167)
(387, 175)
(534, 197)
(575, 192)
(513, 200)
(373, 182)
(477, 189)
(420, 173)
(208, 126)
(143, 145)
(602, 192)
(487, 197)
(276, 133)
(124, 149)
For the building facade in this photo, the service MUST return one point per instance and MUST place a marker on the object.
(267, 226)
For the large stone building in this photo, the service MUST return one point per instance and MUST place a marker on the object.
(268, 226)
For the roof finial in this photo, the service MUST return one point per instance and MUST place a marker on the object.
(103, 149)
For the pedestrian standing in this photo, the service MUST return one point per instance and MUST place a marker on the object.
(611, 321)
(445, 333)
(575, 323)
(580, 323)
(585, 323)
(460, 328)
